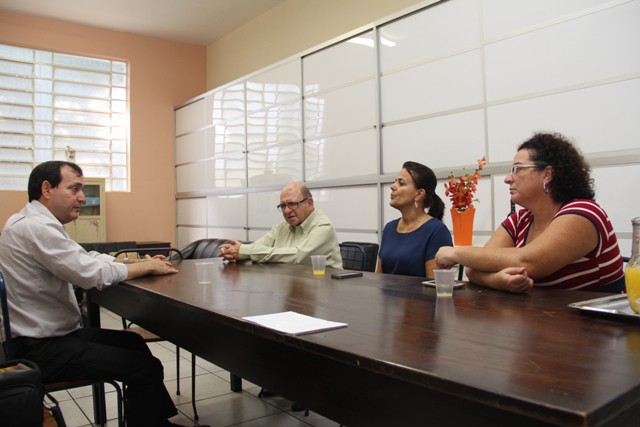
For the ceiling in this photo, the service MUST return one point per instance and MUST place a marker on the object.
(198, 22)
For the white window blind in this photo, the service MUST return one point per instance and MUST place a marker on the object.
(55, 106)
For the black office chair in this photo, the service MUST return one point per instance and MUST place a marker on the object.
(57, 386)
(203, 248)
(360, 256)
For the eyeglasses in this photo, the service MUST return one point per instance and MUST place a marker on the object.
(516, 168)
(290, 205)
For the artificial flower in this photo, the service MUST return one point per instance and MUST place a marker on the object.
(461, 191)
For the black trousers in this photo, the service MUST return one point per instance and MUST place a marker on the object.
(99, 354)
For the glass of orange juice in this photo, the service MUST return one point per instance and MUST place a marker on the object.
(632, 272)
(632, 283)
(318, 263)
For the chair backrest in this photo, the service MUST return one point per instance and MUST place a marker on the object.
(107, 247)
(6, 323)
(174, 253)
(359, 255)
(203, 248)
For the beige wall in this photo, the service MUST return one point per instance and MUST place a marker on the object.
(290, 28)
(162, 75)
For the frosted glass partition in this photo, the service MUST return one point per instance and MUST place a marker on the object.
(190, 117)
(226, 233)
(501, 201)
(342, 156)
(451, 83)
(278, 125)
(226, 137)
(442, 30)
(262, 209)
(225, 104)
(275, 165)
(617, 192)
(432, 141)
(353, 208)
(191, 177)
(443, 85)
(483, 221)
(186, 235)
(343, 110)
(190, 147)
(227, 210)
(560, 61)
(342, 64)
(192, 211)
(523, 15)
(600, 118)
(277, 86)
(225, 171)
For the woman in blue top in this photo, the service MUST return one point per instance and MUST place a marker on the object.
(409, 244)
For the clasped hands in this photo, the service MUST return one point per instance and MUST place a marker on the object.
(230, 251)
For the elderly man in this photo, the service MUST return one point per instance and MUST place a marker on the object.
(305, 231)
(40, 264)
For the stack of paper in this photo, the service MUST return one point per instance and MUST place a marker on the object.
(290, 322)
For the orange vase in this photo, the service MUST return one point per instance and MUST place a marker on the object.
(463, 226)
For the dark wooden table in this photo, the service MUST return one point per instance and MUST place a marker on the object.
(481, 357)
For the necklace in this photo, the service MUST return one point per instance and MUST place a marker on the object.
(404, 227)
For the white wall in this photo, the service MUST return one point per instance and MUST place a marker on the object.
(442, 86)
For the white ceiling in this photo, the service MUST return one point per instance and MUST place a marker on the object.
(198, 22)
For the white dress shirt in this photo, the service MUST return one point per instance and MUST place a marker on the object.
(40, 264)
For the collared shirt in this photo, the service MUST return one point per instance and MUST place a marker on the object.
(40, 264)
(294, 245)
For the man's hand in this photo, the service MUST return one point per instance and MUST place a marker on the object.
(230, 251)
(155, 266)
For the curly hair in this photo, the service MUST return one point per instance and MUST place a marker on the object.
(424, 178)
(571, 172)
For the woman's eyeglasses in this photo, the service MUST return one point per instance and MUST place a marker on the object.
(516, 168)
(291, 205)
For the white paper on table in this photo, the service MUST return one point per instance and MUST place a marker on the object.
(290, 322)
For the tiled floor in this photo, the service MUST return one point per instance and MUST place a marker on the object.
(217, 405)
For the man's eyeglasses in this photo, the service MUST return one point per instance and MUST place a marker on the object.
(290, 205)
(516, 168)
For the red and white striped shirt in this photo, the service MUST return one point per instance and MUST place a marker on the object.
(600, 267)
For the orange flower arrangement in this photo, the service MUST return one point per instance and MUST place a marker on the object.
(461, 192)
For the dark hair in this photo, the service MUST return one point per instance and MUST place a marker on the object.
(48, 171)
(425, 179)
(571, 172)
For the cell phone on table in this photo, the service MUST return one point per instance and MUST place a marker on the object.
(346, 275)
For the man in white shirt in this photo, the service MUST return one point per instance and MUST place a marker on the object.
(305, 231)
(41, 264)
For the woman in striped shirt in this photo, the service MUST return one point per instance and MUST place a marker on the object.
(561, 239)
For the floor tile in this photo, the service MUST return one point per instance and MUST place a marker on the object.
(217, 405)
(230, 409)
